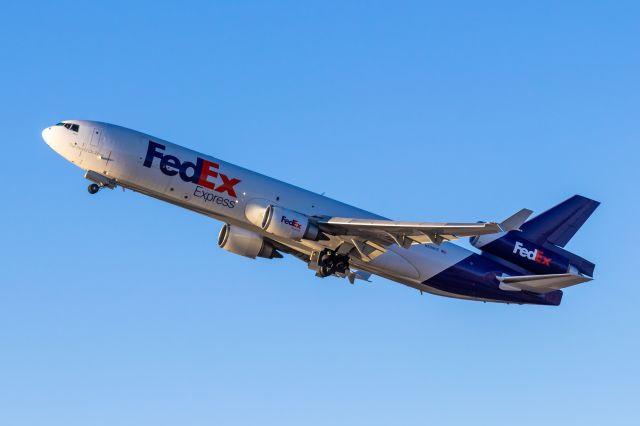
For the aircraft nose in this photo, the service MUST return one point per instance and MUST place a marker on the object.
(46, 135)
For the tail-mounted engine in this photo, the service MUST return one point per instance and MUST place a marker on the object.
(541, 259)
(538, 244)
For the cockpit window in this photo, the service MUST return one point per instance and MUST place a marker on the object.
(70, 126)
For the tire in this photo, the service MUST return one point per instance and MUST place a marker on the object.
(325, 271)
(342, 266)
(93, 188)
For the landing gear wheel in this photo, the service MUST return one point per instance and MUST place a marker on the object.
(325, 271)
(342, 266)
(330, 263)
(93, 188)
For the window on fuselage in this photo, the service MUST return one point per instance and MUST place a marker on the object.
(70, 126)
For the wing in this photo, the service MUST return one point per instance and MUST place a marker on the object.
(388, 232)
(383, 233)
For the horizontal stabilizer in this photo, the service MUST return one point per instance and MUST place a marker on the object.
(514, 222)
(541, 283)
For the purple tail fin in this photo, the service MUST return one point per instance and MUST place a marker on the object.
(560, 223)
(538, 245)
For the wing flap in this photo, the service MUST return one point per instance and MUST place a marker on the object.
(388, 232)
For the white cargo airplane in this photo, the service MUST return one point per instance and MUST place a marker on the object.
(521, 262)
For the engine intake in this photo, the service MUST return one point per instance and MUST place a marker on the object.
(245, 243)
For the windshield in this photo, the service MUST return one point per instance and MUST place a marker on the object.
(70, 126)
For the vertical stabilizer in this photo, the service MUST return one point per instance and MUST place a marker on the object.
(538, 244)
(560, 223)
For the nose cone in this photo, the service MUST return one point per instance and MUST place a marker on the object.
(47, 135)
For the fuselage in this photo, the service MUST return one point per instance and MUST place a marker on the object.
(223, 191)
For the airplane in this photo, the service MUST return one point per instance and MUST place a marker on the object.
(520, 260)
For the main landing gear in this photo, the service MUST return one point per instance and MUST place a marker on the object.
(331, 263)
(328, 263)
(93, 188)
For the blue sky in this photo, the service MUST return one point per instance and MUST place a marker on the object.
(117, 309)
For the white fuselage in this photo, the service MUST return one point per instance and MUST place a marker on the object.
(223, 191)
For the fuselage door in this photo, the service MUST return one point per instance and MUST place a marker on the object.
(95, 138)
(90, 145)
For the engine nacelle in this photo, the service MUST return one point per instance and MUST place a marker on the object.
(245, 243)
(280, 221)
(287, 223)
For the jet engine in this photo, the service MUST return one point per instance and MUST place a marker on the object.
(287, 223)
(245, 243)
(541, 259)
(282, 222)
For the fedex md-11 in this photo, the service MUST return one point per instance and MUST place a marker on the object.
(520, 260)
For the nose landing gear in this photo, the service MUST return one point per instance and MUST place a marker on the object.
(93, 188)
(99, 182)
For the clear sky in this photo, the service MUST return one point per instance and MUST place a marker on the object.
(117, 309)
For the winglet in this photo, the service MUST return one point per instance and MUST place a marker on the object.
(513, 223)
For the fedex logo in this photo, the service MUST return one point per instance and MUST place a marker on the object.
(200, 173)
(535, 255)
(291, 222)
